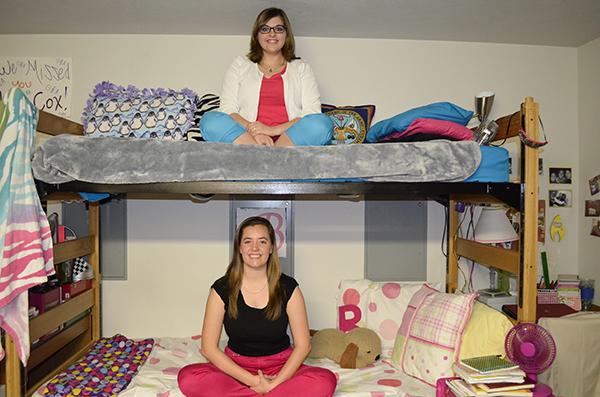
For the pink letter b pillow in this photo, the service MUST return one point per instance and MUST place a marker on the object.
(376, 305)
(434, 335)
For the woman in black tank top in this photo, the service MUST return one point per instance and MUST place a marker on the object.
(255, 303)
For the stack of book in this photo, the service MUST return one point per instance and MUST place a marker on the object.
(489, 376)
(568, 290)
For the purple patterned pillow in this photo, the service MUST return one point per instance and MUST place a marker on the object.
(117, 111)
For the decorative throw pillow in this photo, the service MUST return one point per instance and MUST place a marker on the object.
(118, 111)
(428, 129)
(205, 103)
(434, 336)
(375, 305)
(485, 332)
(350, 123)
(438, 111)
(416, 301)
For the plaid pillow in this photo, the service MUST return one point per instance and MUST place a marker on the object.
(434, 336)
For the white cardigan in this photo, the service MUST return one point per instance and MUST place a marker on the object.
(241, 89)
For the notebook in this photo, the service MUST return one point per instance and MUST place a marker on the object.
(486, 364)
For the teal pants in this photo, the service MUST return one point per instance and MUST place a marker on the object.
(311, 130)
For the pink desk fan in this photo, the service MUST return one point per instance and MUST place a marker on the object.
(532, 348)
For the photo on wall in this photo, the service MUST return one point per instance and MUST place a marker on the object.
(560, 198)
(595, 185)
(595, 228)
(592, 207)
(540, 166)
(560, 175)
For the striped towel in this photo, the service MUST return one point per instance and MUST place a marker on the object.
(25, 238)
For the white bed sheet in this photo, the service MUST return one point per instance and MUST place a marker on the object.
(158, 376)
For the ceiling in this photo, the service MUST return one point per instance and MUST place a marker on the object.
(569, 23)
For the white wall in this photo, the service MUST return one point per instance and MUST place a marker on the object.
(589, 155)
(179, 248)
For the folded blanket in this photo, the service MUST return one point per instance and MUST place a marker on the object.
(66, 158)
(25, 238)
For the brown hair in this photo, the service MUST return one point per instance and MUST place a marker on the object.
(235, 271)
(289, 47)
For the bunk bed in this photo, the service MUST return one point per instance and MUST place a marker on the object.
(64, 348)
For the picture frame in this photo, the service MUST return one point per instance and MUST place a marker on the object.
(560, 198)
(279, 213)
(592, 207)
(563, 175)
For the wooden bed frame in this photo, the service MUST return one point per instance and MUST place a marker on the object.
(65, 347)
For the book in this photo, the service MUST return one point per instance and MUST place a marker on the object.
(487, 364)
(460, 388)
(506, 386)
(505, 376)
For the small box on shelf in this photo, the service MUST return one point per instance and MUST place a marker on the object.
(70, 290)
(44, 297)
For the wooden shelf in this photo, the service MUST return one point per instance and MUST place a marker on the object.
(60, 314)
(500, 258)
(73, 249)
(57, 342)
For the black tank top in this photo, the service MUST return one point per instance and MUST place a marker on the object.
(251, 333)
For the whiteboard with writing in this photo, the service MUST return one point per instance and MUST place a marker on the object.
(46, 81)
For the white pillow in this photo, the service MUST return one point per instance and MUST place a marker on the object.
(377, 305)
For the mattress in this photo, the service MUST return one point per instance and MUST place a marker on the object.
(158, 376)
(494, 166)
(66, 158)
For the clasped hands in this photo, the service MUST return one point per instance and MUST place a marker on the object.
(265, 383)
(263, 133)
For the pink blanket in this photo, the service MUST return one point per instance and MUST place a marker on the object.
(25, 238)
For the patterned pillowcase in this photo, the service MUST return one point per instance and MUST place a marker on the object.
(117, 111)
(205, 103)
(434, 336)
(350, 123)
(375, 305)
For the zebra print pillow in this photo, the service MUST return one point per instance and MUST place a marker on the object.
(205, 103)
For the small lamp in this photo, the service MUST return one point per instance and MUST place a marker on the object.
(493, 227)
(487, 129)
(483, 105)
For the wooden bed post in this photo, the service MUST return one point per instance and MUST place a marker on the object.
(94, 258)
(528, 275)
(13, 368)
(452, 264)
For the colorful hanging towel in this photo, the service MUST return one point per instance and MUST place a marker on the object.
(105, 371)
(25, 238)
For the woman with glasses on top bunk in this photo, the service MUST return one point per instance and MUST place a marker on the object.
(255, 303)
(269, 97)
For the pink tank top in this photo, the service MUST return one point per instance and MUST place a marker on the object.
(271, 104)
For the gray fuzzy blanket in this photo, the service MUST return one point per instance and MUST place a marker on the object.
(66, 158)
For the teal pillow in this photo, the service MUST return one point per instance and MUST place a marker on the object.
(350, 123)
(437, 111)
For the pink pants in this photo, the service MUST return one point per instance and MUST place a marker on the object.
(206, 380)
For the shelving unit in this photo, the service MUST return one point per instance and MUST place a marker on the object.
(59, 351)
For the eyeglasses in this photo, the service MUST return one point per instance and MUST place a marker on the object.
(278, 29)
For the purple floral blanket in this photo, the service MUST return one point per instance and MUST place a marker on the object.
(105, 371)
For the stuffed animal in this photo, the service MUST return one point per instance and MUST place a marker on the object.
(354, 349)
